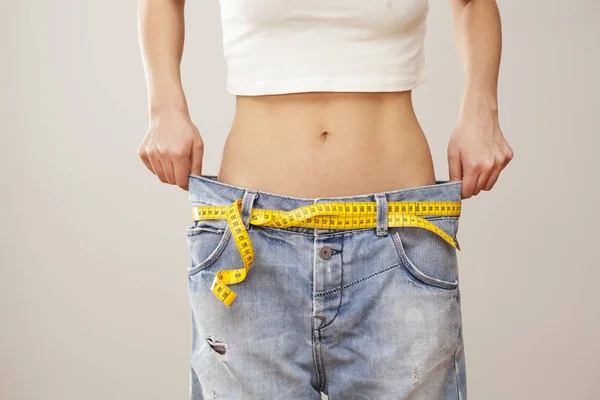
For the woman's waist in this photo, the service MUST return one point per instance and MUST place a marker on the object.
(318, 115)
(330, 144)
(338, 167)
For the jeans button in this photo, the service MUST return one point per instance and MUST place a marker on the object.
(325, 252)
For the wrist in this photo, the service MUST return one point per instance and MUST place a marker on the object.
(482, 104)
(166, 96)
(167, 106)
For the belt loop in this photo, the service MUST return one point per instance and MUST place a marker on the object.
(382, 214)
(247, 203)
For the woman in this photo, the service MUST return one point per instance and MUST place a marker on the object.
(324, 118)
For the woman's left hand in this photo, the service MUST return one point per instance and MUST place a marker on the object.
(477, 151)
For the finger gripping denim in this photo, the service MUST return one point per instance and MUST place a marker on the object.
(354, 313)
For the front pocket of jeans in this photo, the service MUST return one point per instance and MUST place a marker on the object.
(427, 256)
(206, 243)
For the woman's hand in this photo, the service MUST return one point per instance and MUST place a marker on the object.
(172, 148)
(477, 151)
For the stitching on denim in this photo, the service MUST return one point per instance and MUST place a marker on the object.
(341, 289)
(213, 256)
(286, 230)
(456, 376)
(202, 203)
(321, 294)
(458, 388)
(321, 234)
(440, 217)
(458, 349)
(318, 362)
(314, 353)
(416, 272)
(193, 232)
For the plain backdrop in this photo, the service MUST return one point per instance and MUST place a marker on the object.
(93, 256)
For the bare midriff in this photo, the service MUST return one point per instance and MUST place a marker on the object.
(326, 144)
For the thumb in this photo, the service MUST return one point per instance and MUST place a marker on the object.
(455, 166)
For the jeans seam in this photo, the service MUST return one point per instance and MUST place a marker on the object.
(407, 263)
(456, 376)
(341, 289)
(316, 357)
(328, 292)
(458, 349)
(212, 258)
(311, 233)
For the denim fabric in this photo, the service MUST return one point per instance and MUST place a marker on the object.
(380, 318)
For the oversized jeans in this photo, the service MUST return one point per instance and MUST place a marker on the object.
(355, 313)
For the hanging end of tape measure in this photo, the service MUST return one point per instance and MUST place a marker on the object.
(226, 296)
(229, 299)
(222, 292)
(456, 243)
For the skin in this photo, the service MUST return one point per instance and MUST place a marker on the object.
(322, 144)
(478, 151)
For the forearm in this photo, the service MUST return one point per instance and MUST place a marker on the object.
(478, 38)
(161, 33)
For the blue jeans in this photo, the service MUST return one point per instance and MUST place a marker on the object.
(356, 313)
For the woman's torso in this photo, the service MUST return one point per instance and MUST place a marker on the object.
(373, 142)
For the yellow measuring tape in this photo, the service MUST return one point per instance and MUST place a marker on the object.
(331, 215)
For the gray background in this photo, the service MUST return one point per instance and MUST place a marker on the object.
(92, 247)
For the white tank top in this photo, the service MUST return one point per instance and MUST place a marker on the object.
(289, 46)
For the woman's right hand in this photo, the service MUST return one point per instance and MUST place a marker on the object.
(172, 148)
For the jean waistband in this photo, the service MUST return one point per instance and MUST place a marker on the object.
(206, 190)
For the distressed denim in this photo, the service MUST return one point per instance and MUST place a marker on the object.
(376, 316)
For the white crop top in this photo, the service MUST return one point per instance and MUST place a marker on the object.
(289, 46)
